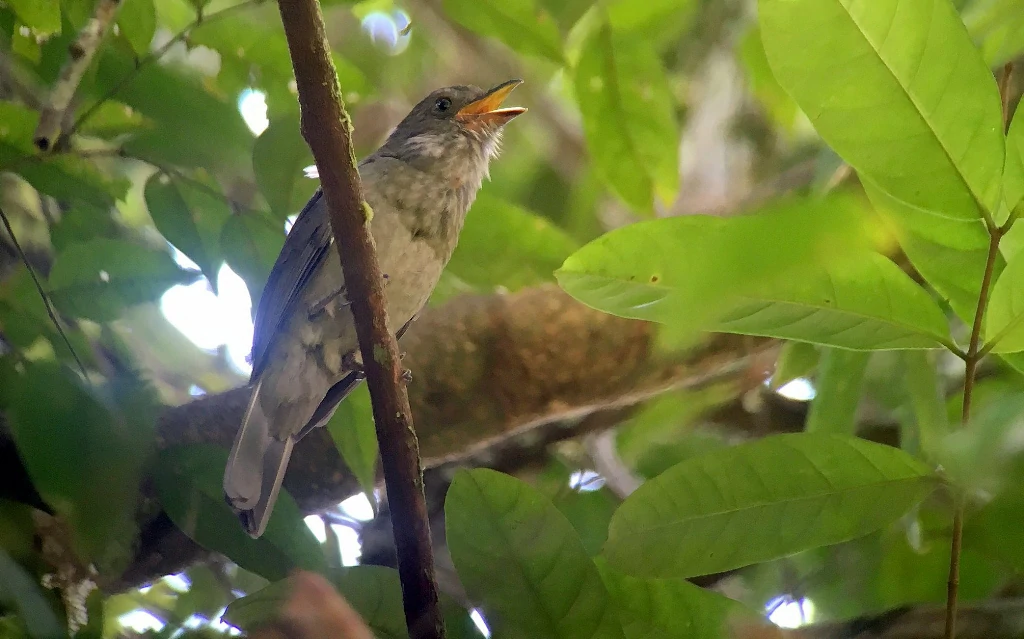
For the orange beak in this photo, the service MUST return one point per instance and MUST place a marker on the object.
(487, 110)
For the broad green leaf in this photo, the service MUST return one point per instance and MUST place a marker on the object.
(85, 454)
(685, 271)
(191, 216)
(627, 15)
(760, 501)
(188, 481)
(762, 81)
(42, 16)
(837, 392)
(796, 359)
(355, 435)
(192, 127)
(278, 158)
(99, 278)
(985, 457)
(136, 20)
(1004, 321)
(24, 43)
(927, 406)
(19, 591)
(504, 245)
(899, 75)
(671, 608)
(1013, 172)
(549, 587)
(629, 117)
(523, 25)
(375, 592)
(869, 304)
(113, 119)
(65, 177)
(998, 27)
(950, 254)
(250, 243)
(25, 319)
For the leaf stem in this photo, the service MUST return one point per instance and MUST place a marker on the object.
(42, 294)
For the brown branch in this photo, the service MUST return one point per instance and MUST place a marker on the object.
(327, 129)
(489, 370)
(80, 54)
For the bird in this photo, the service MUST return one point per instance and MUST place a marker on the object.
(419, 184)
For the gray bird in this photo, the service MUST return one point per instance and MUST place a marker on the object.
(305, 355)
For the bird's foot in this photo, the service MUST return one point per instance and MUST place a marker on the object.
(406, 375)
(351, 362)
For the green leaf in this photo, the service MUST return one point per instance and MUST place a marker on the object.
(837, 392)
(629, 117)
(375, 592)
(18, 590)
(24, 43)
(902, 75)
(251, 243)
(113, 119)
(278, 158)
(191, 216)
(927, 403)
(137, 22)
(869, 304)
(42, 16)
(85, 455)
(353, 431)
(671, 608)
(1013, 172)
(192, 127)
(504, 245)
(523, 25)
(796, 359)
(99, 278)
(549, 587)
(627, 15)
(762, 81)
(760, 501)
(188, 481)
(62, 176)
(950, 254)
(685, 271)
(1004, 321)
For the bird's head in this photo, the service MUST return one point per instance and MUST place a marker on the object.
(454, 130)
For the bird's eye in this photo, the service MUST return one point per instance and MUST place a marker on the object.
(443, 104)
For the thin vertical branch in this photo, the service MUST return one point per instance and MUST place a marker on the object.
(327, 129)
(80, 54)
(974, 354)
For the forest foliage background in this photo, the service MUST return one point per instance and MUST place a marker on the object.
(737, 317)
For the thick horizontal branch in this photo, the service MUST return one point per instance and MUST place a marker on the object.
(486, 368)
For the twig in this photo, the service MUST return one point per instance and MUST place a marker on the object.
(327, 129)
(42, 293)
(154, 56)
(80, 54)
(975, 352)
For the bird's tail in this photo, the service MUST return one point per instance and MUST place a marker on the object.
(255, 468)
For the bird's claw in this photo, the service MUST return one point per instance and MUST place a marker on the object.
(406, 375)
(350, 362)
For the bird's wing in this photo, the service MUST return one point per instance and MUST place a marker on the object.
(305, 248)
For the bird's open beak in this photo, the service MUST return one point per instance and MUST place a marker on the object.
(487, 110)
